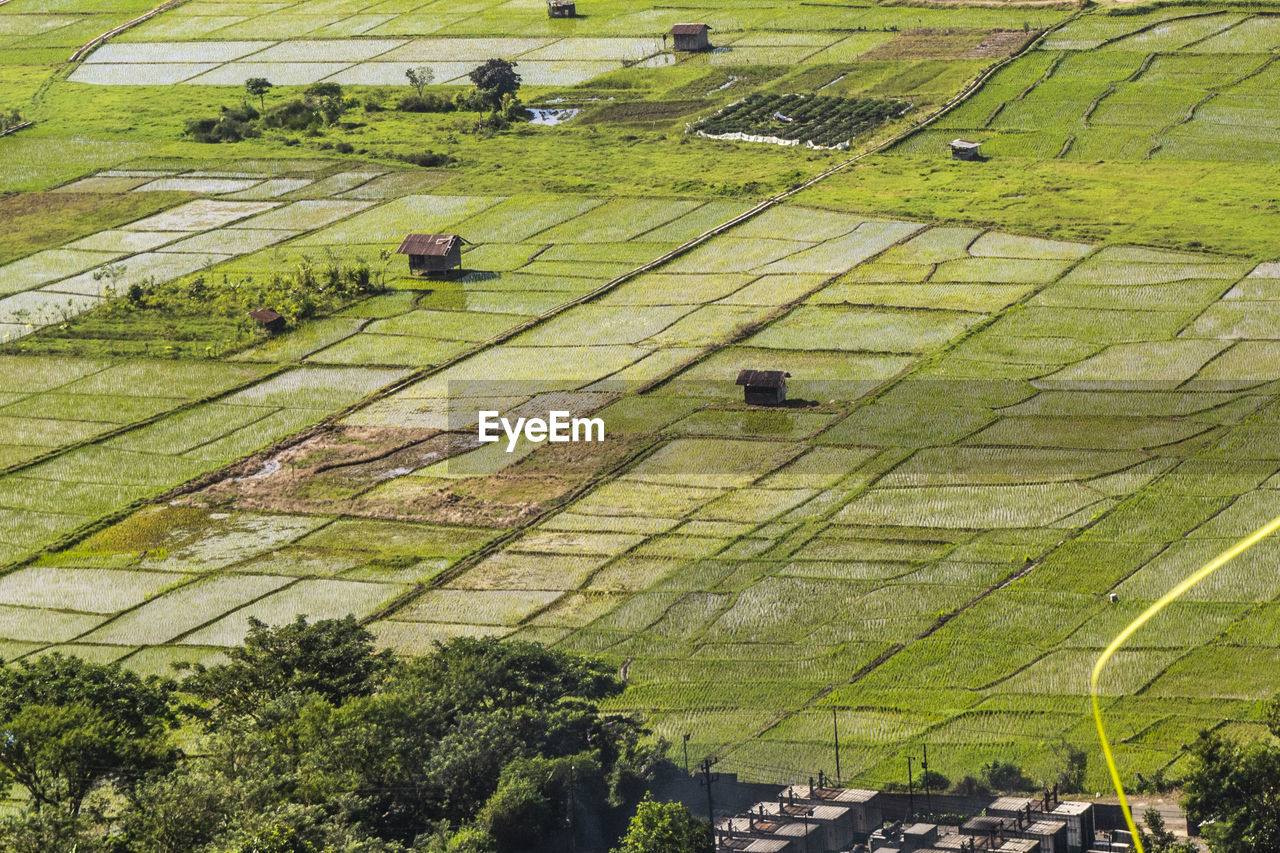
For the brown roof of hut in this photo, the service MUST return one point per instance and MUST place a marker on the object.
(687, 29)
(428, 244)
(762, 378)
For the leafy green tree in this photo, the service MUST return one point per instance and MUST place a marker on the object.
(1234, 790)
(420, 77)
(257, 87)
(1158, 839)
(1006, 776)
(665, 828)
(327, 99)
(68, 726)
(1075, 767)
(495, 78)
(331, 658)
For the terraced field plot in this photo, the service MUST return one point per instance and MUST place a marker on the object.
(1161, 85)
(989, 432)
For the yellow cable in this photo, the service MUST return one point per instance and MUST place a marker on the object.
(1169, 597)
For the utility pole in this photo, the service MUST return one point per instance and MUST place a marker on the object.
(924, 778)
(687, 735)
(708, 780)
(835, 736)
(911, 793)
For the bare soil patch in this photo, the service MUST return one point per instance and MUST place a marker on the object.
(928, 44)
(340, 469)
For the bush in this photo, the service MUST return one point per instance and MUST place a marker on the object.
(344, 148)
(232, 125)
(291, 115)
(430, 159)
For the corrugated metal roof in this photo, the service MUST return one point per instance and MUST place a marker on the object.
(964, 143)
(762, 378)
(688, 29)
(427, 244)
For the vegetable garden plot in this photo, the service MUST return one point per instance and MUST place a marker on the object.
(974, 507)
(566, 542)
(174, 613)
(816, 120)
(315, 598)
(824, 328)
(200, 215)
(49, 266)
(84, 590)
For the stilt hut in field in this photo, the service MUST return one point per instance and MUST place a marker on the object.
(432, 254)
(763, 387)
(562, 9)
(690, 37)
(963, 149)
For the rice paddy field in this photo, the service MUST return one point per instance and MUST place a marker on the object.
(1018, 387)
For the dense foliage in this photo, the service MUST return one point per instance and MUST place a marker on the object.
(817, 120)
(308, 740)
(665, 828)
(1233, 789)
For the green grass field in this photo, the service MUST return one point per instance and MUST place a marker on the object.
(1018, 386)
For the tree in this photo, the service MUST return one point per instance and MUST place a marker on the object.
(420, 77)
(1158, 839)
(1075, 767)
(327, 99)
(257, 87)
(332, 658)
(665, 828)
(1234, 790)
(69, 726)
(497, 77)
(1006, 776)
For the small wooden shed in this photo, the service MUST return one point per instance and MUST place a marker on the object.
(270, 320)
(432, 254)
(763, 387)
(562, 9)
(690, 36)
(963, 149)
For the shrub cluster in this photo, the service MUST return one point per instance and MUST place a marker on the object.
(817, 119)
